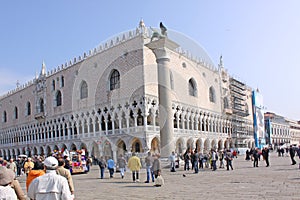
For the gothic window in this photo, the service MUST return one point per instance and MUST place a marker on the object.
(83, 90)
(41, 105)
(212, 95)
(4, 118)
(28, 108)
(137, 147)
(140, 118)
(58, 98)
(192, 88)
(62, 81)
(16, 113)
(175, 120)
(53, 85)
(114, 80)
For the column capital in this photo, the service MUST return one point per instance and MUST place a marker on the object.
(159, 48)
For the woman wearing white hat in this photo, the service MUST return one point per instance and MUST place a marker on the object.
(6, 178)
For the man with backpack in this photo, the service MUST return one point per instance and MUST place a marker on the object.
(102, 165)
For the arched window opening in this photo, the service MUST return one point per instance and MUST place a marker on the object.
(175, 121)
(53, 85)
(212, 95)
(41, 105)
(114, 80)
(140, 118)
(109, 122)
(16, 113)
(83, 90)
(62, 81)
(103, 123)
(58, 98)
(131, 119)
(192, 88)
(28, 108)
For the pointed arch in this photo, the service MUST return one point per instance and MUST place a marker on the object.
(192, 87)
(121, 147)
(83, 90)
(28, 108)
(137, 146)
(41, 105)
(212, 94)
(58, 98)
(16, 113)
(114, 80)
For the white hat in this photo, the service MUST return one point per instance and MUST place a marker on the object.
(51, 162)
(6, 175)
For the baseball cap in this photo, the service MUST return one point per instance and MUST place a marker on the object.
(51, 162)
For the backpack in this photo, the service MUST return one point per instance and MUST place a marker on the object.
(217, 157)
(101, 164)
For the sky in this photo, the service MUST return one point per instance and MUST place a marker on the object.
(258, 40)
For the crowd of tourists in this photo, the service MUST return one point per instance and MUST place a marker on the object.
(134, 163)
(50, 177)
(46, 178)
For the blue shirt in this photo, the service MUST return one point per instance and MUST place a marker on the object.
(110, 164)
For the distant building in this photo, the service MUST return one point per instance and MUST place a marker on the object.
(134, 93)
(277, 129)
(294, 127)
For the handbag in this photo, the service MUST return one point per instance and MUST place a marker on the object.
(159, 181)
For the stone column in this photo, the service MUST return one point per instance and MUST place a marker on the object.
(159, 48)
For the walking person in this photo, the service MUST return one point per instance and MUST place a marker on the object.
(292, 155)
(134, 164)
(37, 170)
(255, 157)
(102, 166)
(159, 181)
(265, 153)
(229, 158)
(196, 161)
(186, 157)
(61, 170)
(156, 165)
(149, 163)
(214, 158)
(111, 167)
(221, 158)
(172, 159)
(19, 164)
(201, 160)
(50, 185)
(28, 166)
(122, 165)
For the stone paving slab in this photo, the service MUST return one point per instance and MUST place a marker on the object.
(279, 181)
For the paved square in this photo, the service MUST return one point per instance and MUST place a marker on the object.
(279, 181)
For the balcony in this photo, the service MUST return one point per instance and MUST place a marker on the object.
(40, 116)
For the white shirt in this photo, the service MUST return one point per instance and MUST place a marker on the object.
(49, 186)
(6, 192)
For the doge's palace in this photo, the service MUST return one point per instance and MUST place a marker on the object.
(139, 91)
